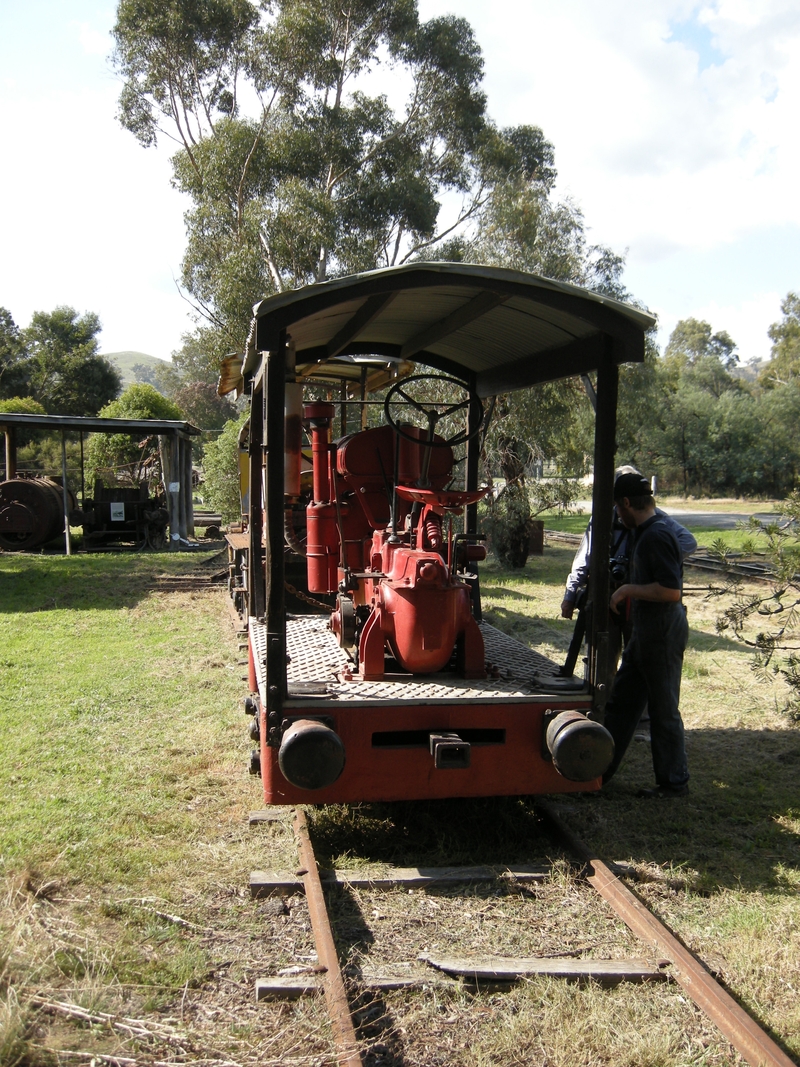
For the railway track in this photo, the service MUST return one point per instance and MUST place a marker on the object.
(666, 958)
(752, 570)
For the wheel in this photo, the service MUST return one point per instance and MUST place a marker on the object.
(458, 397)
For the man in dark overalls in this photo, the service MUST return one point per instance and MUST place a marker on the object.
(650, 671)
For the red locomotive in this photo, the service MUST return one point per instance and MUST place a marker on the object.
(373, 675)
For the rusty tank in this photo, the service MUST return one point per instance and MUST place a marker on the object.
(31, 512)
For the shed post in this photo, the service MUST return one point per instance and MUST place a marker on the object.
(273, 445)
(11, 453)
(174, 487)
(65, 491)
(184, 489)
(189, 488)
(602, 507)
(255, 571)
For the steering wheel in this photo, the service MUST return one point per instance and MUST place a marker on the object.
(432, 411)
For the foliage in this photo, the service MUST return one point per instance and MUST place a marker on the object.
(769, 622)
(55, 361)
(689, 420)
(196, 361)
(141, 401)
(21, 405)
(199, 357)
(691, 342)
(221, 471)
(785, 336)
(145, 375)
(63, 369)
(203, 406)
(13, 380)
(296, 165)
(130, 458)
(524, 228)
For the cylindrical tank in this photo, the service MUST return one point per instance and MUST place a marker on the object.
(31, 512)
(311, 755)
(322, 548)
(582, 750)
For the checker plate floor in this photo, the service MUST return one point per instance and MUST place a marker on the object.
(319, 667)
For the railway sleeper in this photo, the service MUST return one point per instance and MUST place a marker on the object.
(754, 1044)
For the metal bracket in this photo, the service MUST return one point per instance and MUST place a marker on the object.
(449, 751)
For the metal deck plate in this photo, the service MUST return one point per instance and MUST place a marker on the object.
(315, 657)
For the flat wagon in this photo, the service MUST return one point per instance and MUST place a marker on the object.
(373, 675)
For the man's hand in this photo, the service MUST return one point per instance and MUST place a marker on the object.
(618, 597)
(567, 608)
(654, 592)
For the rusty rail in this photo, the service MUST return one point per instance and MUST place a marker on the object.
(344, 1034)
(746, 1036)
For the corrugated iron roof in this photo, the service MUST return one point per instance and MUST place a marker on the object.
(500, 328)
(88, 424)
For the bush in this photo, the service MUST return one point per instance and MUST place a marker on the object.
(21, 405)
(509, 526)
(131, 458)
(221, 471)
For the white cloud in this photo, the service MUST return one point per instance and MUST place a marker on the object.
(93, 42)
(675, 128)
(92, 222)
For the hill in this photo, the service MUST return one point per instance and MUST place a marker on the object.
(125, 362)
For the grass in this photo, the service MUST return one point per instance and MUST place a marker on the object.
(124, 852)
(734, 540)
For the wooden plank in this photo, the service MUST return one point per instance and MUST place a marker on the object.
(502, 969)
(291, 987)
(288, 987)
(239, 542)
(265, 883)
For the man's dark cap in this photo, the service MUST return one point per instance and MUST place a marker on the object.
(631, 485)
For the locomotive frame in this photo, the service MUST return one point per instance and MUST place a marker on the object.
(389, 697)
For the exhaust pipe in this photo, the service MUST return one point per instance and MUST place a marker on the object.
(582, 750)
(311, 755)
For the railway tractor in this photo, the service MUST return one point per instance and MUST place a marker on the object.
(373, 675)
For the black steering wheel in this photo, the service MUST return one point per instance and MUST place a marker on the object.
(433, 411)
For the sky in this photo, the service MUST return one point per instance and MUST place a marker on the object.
(675, 126)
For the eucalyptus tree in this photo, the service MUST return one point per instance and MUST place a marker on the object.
(784, 366)
(312, 139)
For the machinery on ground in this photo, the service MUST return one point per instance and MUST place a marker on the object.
(32, 512)
(373, 675)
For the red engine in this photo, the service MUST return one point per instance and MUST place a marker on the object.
(376, 536)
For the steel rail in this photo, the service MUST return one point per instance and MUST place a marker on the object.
(344, 1035)
(746, 1036)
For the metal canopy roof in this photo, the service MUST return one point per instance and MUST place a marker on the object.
(501, 328)
(73, 423)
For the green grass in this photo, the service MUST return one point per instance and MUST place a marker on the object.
(118, 693)
(124, 852)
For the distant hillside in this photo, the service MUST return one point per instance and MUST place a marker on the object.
(125, 361)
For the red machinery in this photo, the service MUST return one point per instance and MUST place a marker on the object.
(378, 540)
(373, 675)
